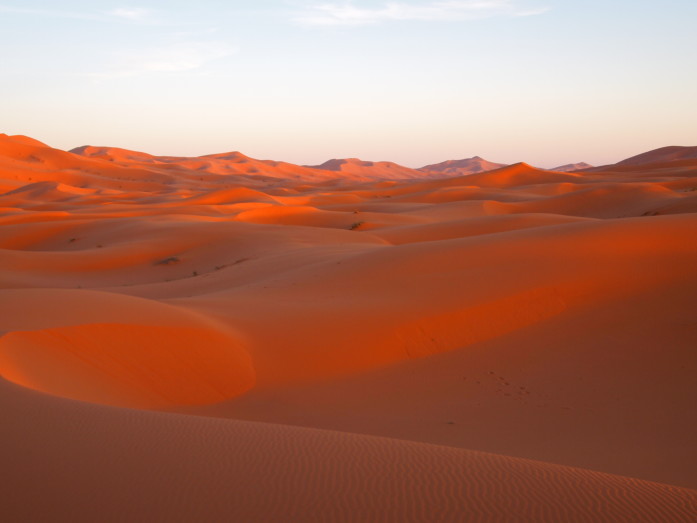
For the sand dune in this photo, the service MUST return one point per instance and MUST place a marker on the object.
(382, 170)
(226, 164)
(518, 174)
(472, 165)
(570, 167)
(659, 162)
(536, 314)
(145, 357)
(161, 370)
(618, 397)
(236, 164)
(664, 154)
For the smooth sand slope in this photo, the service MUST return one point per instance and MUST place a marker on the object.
(525, 313)
(70, 461)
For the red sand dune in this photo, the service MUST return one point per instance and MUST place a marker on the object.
(544, 317)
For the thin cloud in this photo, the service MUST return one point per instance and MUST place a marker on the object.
(347, 14)
(173, 58)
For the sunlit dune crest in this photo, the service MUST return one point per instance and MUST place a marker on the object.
(465, 341)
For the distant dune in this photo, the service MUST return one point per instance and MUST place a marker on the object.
(382, 170)
(221, 338)
(664, 154)
(569, 167)
(223, 164)
(462, 167)
(674, 157)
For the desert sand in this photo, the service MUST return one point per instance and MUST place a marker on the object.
(222, 338)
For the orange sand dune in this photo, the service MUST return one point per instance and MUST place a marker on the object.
(463, 228)
(523, 312)
(221, 164)
(618, 397)
(517, 175)
(161, 369)
(21, 140)
(234, 164)
(407, 311)
(24, 161)
(144, 358)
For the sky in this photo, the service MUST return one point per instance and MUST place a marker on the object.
(547, 82)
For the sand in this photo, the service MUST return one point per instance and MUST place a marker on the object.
(224, 338)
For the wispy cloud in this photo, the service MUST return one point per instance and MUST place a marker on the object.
(180, 51)
(171, 58)
(347, 13)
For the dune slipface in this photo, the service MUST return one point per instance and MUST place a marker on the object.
(526, 336)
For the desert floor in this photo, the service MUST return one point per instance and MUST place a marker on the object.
(228, 339)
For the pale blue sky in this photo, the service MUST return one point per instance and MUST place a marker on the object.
(412, 81)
